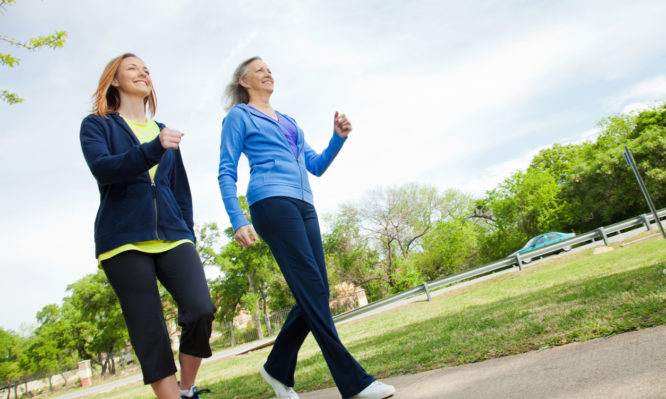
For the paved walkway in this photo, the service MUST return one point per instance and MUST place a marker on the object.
(629, 365)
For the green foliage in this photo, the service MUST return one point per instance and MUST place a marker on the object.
(579, 187)
(52, 41)
(11, 98)
(524, 205)
(406, 276)
(450, 247)
(97, 323)
(349, 257)
(10, 350)
(601, 172)
(50, 349)
(9, 60)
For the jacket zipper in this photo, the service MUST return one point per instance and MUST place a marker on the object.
(154, 188)
(152, 182)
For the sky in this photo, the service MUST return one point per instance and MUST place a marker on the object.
(454, 94)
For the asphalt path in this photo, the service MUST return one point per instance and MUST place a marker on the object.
(629, 365)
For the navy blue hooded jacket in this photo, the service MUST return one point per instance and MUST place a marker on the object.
(132, 208)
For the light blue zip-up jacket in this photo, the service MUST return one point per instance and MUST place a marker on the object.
(274, 170)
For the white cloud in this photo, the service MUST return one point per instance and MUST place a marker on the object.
(648, 91)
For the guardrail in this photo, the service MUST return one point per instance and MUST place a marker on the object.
(602, 233)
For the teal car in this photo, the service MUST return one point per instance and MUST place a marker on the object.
(544, 240)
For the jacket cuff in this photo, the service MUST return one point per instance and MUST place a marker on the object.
(238, 222)
(153, 150)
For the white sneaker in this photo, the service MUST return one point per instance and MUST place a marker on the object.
(282, 391)
(376, 390)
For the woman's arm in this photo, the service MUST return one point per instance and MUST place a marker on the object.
(115, 168)
(231, 147)
(318, 163)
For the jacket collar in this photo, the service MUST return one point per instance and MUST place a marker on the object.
(119, 120)
(252, 111)
(256, 112)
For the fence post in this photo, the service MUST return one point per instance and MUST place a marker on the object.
(519, 261)
(646, 222)
(427, 291)
(602, 233)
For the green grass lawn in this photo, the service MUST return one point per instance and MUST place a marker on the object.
(575, 297)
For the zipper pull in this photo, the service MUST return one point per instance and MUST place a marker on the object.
(154, 188)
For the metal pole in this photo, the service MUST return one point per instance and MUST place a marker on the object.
(427, 291)
(602, 233)
(630, 160)
(519, 261)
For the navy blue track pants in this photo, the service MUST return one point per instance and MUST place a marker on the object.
(133, 276)
(290, 228)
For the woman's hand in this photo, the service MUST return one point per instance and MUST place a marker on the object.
(246, 236)
(170, 138)
(341, 125)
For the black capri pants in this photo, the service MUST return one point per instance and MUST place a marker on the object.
(133, 276)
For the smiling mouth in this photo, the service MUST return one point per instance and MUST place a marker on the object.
(141, 82)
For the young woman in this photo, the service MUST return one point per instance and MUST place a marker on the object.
(144, 227)
(282, 211)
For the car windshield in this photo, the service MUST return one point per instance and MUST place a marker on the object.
(529, 243)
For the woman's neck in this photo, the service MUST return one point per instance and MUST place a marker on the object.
(132, 108)
(262, 103)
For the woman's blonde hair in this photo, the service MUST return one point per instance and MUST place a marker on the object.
(107, 98)
(235, 93)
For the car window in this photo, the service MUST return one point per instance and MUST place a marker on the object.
(529, 243)
(553, 237)
(539, 241)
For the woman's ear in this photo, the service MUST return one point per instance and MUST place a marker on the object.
(115, 83)
(242, 82)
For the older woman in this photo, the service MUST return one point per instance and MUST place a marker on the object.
(144, 227)
(282, 211)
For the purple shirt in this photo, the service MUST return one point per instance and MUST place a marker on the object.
(289, 130)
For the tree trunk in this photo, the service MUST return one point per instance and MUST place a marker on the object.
(105, 364)
(15, 387)
(257, 320)
(267, 318)
(391, 281)
(50, 384)
(231, 333)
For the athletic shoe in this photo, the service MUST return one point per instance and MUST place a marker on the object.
(376, 390)
(194, 392)
(282, 391)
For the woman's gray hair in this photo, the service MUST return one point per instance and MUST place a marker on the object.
(235, 93)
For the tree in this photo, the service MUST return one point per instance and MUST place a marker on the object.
(50, 348)
(53, 41)
(349, 257)
(450, 247)
(522, 206)
(10, 351)
(98, 326)
(602, 173)
(257, 266)
(397, 218)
